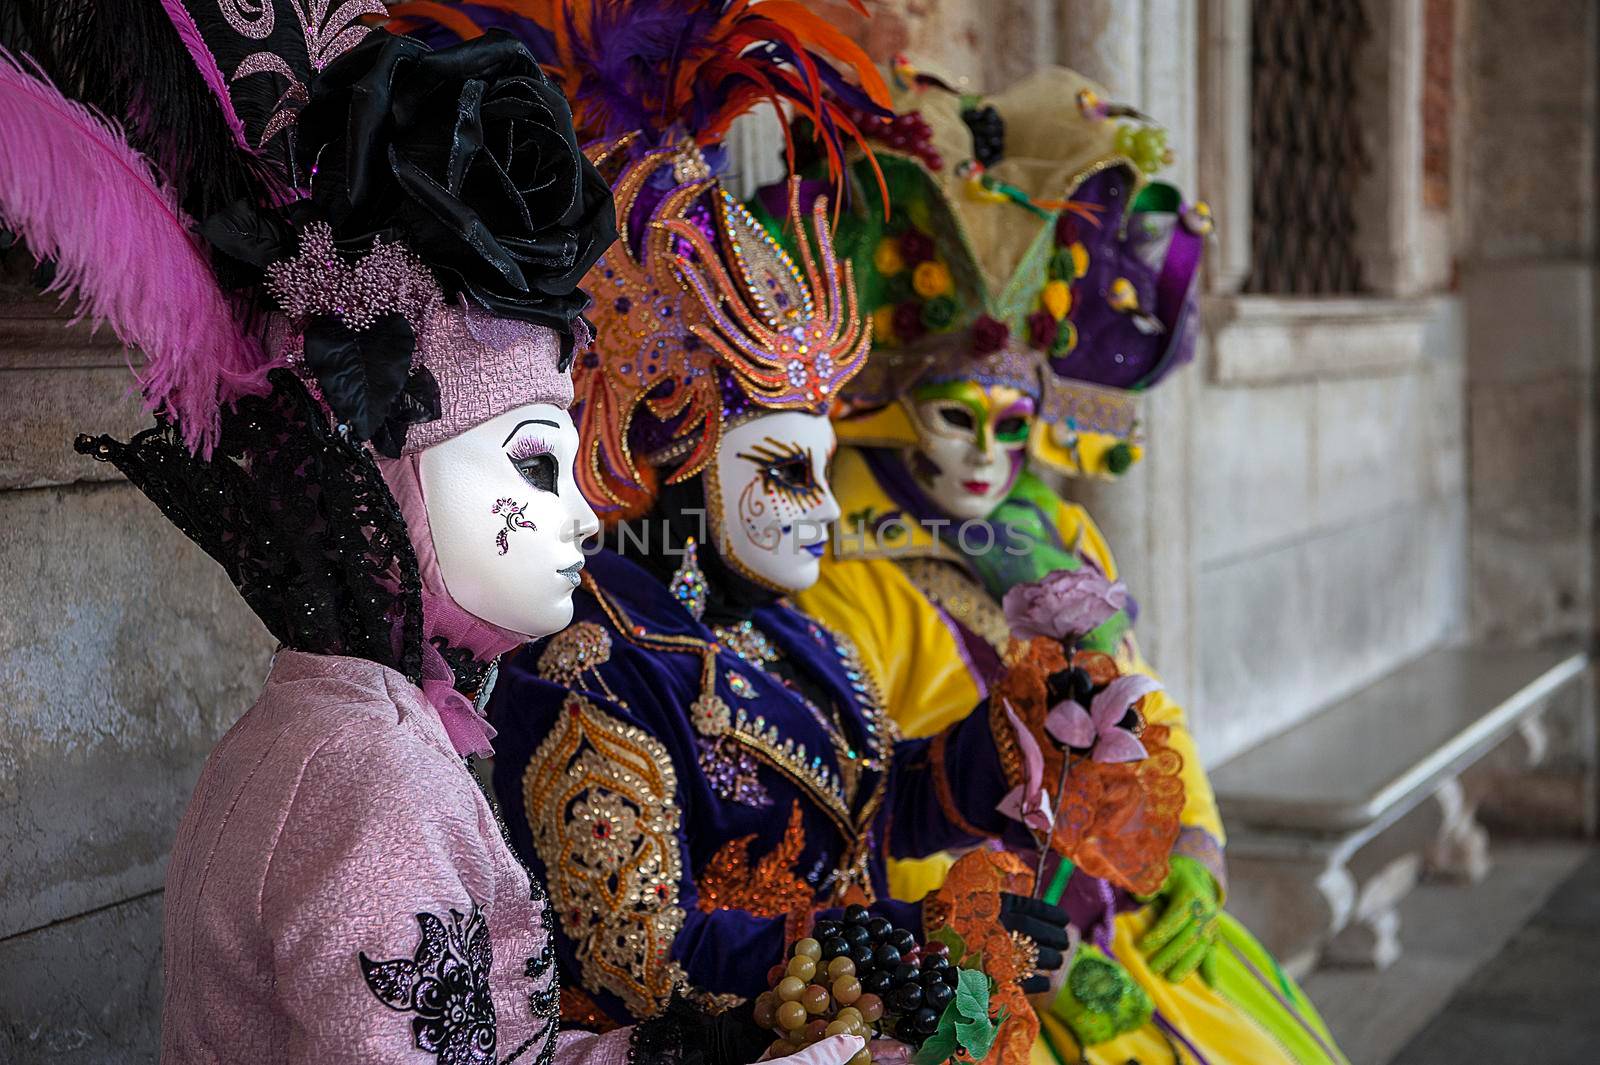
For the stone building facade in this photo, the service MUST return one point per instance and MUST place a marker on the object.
(1337, 485)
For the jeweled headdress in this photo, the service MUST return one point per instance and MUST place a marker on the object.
(701, 317)
(1023, 243)
(703, 320)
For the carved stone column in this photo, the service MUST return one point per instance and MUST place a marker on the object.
(1146, 54)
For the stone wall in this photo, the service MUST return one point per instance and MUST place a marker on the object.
(1528, 274)
(1329, 538)
(1328, 490)
(1528, 277)
(124, 654)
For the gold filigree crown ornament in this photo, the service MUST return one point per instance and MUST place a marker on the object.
(703, 320)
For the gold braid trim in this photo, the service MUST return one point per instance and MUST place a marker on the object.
(600, 797)
(951, 588)
(712, 716)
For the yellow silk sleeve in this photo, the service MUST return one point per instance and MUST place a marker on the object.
(1077, 529)
(904, 641)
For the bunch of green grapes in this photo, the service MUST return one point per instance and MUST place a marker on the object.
(857, 976)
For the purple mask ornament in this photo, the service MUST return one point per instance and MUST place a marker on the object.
(512, 512)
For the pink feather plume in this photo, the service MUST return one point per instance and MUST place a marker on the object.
(78, 194)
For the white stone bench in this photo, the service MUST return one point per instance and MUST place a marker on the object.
(1331, 823)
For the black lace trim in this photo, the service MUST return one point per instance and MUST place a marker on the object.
(471, 672)
(298, 516)
(544, 1001)
(446, 984)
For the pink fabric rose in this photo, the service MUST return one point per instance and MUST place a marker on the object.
(1066, 605)
(1097, 726)
(1028, 802)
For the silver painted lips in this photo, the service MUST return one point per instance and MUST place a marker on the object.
(571, 572)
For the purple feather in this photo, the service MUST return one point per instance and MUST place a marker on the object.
(80, 196)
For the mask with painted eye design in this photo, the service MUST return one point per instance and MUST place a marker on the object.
(972, 441)
(772, 508)
(507, 519)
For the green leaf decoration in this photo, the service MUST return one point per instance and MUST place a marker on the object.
(979, 1036)
(972, 995)
(952, 939)
(965, 1022)
(940, 1048)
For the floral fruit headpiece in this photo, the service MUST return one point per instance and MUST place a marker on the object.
(1023, 245)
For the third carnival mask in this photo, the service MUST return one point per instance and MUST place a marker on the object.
(972, 443)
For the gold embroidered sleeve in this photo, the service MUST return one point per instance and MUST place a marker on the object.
(601, 802)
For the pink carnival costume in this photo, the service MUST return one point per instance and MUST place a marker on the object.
(391, 243)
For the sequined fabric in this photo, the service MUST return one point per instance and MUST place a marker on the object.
(324, 824)
(600, 793)
(280, 476)
(766, 887)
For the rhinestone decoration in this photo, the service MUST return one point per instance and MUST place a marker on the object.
(748, 643)
(733, 772)
(573, 651)
(688, 584)
(600, 793)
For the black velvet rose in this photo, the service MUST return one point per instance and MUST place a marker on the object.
(468, 156)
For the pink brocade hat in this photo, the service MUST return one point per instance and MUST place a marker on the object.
(481, 367)
(486, 366)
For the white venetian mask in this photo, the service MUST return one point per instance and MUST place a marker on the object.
(772, 508)
(972, 443)
(507, 518)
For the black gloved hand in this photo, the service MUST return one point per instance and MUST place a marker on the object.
(1046, 925)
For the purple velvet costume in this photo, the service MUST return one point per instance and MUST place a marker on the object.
(704, 876)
